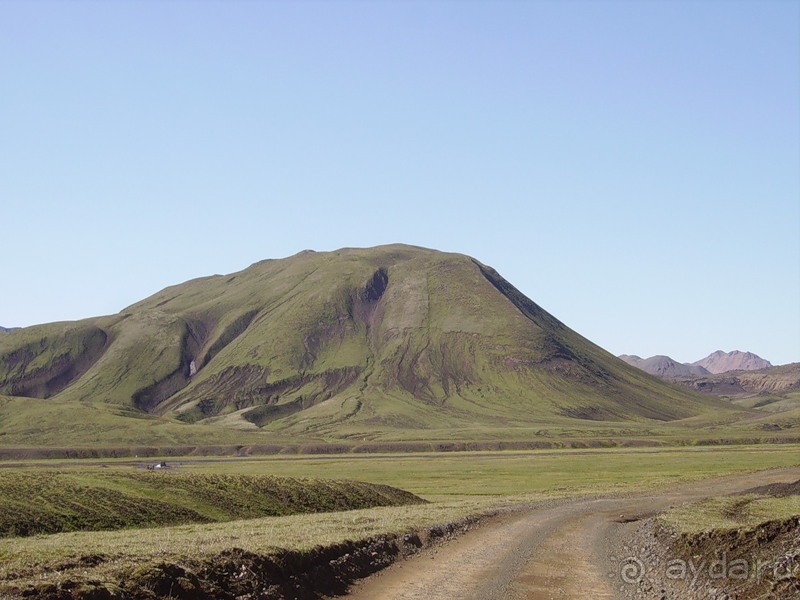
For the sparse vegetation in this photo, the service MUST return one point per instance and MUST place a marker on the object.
(730, 513)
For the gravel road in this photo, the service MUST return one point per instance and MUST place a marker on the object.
(558, 551)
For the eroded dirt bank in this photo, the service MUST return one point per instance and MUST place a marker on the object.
(742, 564)
(237, 574)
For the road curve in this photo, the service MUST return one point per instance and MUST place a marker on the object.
(560, 551)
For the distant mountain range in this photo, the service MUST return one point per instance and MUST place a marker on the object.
(747, 380)
(713, 364)
(664, 366)
(761, 382)
(8, 329)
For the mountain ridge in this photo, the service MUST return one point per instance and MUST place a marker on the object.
(770, 389)
(664, 366)
(715, 363)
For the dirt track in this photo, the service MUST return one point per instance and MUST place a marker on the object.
(559, 552)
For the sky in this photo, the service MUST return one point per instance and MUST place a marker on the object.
(633, 166)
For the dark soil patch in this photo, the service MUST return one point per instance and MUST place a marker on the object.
(634, 518)
(776, 490)
(588, 413)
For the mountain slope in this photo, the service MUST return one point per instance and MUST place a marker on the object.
(722, 362)
(352, 343)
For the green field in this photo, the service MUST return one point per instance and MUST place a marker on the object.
(442, 476)
(457, 484)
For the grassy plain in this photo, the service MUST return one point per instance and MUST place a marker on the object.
(457, 484)
(441, 476)
(730, 512)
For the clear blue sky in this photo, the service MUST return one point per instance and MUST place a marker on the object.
(633, 167)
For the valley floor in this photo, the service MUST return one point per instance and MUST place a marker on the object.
(533, 524)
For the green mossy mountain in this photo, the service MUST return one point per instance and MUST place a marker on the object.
(343, 344)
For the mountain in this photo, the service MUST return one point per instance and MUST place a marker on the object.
(8, 329)
(664, 366)
(771, 380)
(722, 362)
(392, 342)
(769, 389)
(717, 362)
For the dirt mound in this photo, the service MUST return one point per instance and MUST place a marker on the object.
(776, 490)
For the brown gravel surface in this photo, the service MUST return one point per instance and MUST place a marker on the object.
(563, 550)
